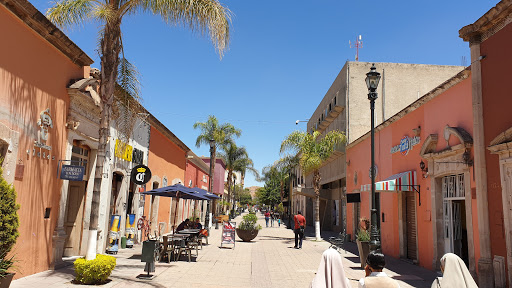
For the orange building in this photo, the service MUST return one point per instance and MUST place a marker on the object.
(490, 39)
(462, 133)
(37, 61)
(167, 161)
(422, 215)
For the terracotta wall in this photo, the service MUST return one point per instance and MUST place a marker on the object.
(33, 77)
(165, 159)
(194, 173)
(497, 105)
(452, 107)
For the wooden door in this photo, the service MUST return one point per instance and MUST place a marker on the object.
(410, 218)
(74, 218)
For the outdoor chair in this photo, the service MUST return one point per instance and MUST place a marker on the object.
(194, 242)
(183, 248)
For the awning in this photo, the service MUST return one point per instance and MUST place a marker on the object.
(205, 193)
(176, 191)
(405, 181)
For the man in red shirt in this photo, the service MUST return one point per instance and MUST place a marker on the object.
(300, 225)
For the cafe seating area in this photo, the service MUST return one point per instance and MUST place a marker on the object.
(184, 242)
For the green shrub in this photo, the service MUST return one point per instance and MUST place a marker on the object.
(9, 221)
(94, 271)
(363, 235)
(249, 222)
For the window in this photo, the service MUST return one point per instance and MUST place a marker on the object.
(80, 157)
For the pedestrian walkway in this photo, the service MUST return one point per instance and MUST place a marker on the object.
(267, 261)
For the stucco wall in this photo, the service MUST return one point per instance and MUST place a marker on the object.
(453, 108)
(167, 160)
(33, 77)
(496, 102)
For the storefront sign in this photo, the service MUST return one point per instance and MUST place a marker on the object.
(138, 156)
(45, 122)
(406, 144)
(140, 174)
(123, 150)
(72, 172)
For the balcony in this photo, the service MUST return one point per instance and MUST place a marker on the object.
(329, 117)
(339, 150)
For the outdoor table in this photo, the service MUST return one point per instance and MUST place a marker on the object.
(170, 240)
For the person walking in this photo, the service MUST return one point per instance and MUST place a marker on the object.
(267, 216)
(272, 215)
(455, 273)
(330, 273)
(375, 278)
(300, 225)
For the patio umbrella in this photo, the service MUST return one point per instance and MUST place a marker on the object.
(205, 193)
(176, 191)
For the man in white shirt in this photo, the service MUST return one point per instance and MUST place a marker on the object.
(375, 262)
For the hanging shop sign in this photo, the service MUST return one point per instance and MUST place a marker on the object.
(140, 174)
(123, 150)
(406, 144)
(45, 123)
(72, 172)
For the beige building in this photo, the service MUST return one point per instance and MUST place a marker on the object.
(345, 107)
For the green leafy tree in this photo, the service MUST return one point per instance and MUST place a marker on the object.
(313, 151)
(9, 221)
(206, 17)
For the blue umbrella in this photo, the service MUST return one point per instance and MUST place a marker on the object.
(177, 191)
(205, 193)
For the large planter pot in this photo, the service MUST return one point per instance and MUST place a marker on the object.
(6, 281)
(246, 235)
(364, 249)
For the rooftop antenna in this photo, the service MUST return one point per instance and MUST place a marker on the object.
(358, 44)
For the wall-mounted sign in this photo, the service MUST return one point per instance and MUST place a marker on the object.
(140, 174)
(375, 171)
(138, 156)
(123, 150)
(72, 172)
(45, 122)
(406, 144)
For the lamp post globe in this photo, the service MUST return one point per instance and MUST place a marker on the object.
(372, 82)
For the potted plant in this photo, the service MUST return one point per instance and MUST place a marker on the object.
(363, 240)
(9, 224)
(248, 229)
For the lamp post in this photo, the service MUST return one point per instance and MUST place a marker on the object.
(207, 217)
(372, 81)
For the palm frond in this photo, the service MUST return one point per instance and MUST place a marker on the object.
(69, 13)
(203, 16)
(128, 78)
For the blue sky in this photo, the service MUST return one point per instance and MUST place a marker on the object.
(283, 57)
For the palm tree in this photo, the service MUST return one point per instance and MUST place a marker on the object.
(232, 156)
(313, 152)
(221, 134)
(207, 17)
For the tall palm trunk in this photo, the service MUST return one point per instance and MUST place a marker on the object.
(110, 48)
(230, 173)
(212, 164)
(282, 191)
(316, 186)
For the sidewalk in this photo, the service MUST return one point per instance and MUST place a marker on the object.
(267, 261)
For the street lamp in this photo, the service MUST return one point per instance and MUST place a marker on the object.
(207, 217)
(372, 81)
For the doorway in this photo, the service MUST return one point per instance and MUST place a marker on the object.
(409, 229)
(454, 216)
(74, 218)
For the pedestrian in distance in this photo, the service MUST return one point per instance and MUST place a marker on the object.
(375, 277)
(455, 273)
(267, 217)
(330, 273)
(300, 226)
(272, 216)
(278, 220)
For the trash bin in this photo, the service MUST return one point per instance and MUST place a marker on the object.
(123, 242)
